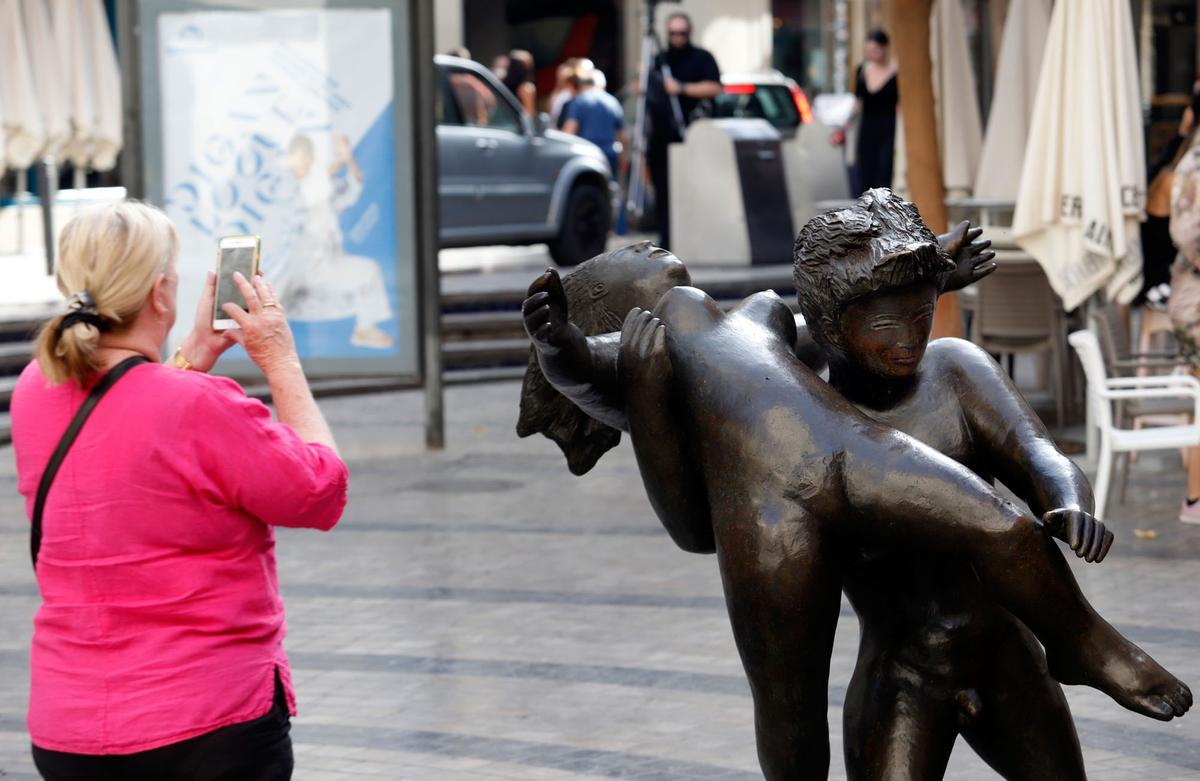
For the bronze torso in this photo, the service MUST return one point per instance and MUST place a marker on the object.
(927, 612)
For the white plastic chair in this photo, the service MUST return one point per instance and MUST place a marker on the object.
(1103, 390)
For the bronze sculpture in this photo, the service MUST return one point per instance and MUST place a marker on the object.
(981, 674)
(744, 451)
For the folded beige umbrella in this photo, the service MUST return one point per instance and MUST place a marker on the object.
(107, 132)
(46, 67)
(1083, 181)
(75, 52)
(1017, 71)
(960, 130)
(23, 133)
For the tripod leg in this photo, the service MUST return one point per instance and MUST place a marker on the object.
(635, 203)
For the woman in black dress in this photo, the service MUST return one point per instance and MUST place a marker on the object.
(878, 96)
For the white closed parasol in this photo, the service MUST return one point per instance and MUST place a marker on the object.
(960, 130)
(23, 133)
(107, 133)
(1017, 72)
(46, 69)
(1083, 182)
(72, 48)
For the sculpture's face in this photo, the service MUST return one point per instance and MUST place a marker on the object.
(886, 333)
(639, 275)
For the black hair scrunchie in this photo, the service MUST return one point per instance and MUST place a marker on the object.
(82, 310)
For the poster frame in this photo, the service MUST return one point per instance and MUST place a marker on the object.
(143, 117)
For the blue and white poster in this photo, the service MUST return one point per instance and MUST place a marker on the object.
(280, 124)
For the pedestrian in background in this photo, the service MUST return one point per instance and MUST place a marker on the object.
(1158, 251)
(877, 96)
(500, 66)
(567, 86)
(475, 100)
(693, 82)
(1183, 306)
(158, 646)
(519, 79)
(597, 116)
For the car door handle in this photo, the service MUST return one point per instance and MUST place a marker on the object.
(486, 144)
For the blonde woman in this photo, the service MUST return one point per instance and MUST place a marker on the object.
(158, 647)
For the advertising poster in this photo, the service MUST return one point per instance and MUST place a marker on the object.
(280, 123)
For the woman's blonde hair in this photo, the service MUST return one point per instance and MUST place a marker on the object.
(109, 258)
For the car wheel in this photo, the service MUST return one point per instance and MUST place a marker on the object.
(585, 225)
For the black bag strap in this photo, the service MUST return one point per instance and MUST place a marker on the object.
(68, 438)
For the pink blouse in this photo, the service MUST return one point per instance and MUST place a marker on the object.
(161, 617)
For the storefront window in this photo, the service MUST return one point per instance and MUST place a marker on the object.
(799, 42)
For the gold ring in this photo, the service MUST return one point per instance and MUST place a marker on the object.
(270, 304)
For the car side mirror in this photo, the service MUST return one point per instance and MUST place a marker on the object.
(541, 123)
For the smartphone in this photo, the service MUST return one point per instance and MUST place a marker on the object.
(234, 253)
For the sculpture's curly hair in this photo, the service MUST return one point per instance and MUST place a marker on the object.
(582, 438)
(880, 242)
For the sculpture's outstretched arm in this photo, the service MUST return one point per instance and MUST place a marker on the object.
(676, 489)
(584, 369)
(972, 258)
(1016, 447)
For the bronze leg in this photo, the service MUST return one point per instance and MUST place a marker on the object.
(897, 725)
(783, 593)
(1024, 730)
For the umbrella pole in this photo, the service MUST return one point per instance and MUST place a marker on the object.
(909, 20)
(47, 184)
(22, 192)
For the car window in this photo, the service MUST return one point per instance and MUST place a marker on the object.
(477, 104)
(772, 102)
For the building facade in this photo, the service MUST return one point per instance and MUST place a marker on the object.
(818, 43)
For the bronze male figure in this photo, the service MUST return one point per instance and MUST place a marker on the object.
(938, 657)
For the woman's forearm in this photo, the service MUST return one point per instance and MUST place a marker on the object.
(295, 405)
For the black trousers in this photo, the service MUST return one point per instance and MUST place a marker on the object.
(259, 750)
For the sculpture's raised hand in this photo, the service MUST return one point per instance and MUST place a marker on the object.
(972, 257)
(545, 314)
(643, 361)
(1083, 532)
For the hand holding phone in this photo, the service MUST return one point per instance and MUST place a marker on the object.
(234, 254)
(263, 328)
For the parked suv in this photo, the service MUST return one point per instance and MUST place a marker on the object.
(505, 178)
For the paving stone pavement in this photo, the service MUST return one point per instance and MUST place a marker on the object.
(481, 614)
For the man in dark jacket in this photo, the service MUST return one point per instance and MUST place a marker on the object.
(692, 78)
